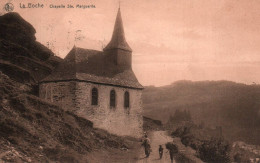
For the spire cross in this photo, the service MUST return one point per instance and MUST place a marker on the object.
(119, 3)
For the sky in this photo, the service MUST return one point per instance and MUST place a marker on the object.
(171, 39)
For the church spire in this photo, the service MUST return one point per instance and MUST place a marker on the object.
(118, 40)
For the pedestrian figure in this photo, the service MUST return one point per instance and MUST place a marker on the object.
(147, 146)
(172, 149)
(160, 151)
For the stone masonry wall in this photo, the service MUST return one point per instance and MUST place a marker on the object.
(60, 93)
(76, 97)
(118, 120)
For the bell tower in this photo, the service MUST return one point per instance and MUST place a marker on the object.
(117, 52)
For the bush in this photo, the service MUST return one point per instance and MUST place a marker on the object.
(209, 148)
(214, 150)
(241, 158)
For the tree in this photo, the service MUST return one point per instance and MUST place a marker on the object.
(180, 116)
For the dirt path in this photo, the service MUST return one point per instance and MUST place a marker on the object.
(157, 138)
(136, 154)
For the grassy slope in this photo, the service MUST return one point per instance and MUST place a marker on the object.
(32, 129)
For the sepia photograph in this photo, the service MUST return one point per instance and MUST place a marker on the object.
(129, 81)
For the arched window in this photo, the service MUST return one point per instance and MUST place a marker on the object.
(48, 93)
(94, 94)
(126, 100)
(112, 98)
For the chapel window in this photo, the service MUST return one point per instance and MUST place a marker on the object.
(94, 94)
(126, 100)
(112, 98)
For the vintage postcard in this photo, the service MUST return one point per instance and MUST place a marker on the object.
(124, 81)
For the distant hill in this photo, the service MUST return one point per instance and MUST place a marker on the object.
(215, 103)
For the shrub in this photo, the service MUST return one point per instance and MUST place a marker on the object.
(241, 158)
(214, 150)
(209, 148)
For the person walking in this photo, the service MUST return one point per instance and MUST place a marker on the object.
(172, 149)
(160, 151)
(147, 146)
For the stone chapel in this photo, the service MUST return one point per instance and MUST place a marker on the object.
(99, 86)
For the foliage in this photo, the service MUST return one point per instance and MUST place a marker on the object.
(180, 116)
(241, 158)
(209, 147)
(215, 150)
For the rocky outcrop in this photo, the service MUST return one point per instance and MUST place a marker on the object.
(21, 57)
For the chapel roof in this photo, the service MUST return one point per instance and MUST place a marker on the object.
(88, 65)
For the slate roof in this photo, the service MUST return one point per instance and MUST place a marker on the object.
(89, 65)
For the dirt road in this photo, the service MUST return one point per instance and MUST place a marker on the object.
(157, 138)
(136, 154)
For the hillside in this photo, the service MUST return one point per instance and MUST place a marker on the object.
(215, 103)
(31, 129)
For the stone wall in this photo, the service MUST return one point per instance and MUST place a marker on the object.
(118, 120)
(60, 93)
(76, 96)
